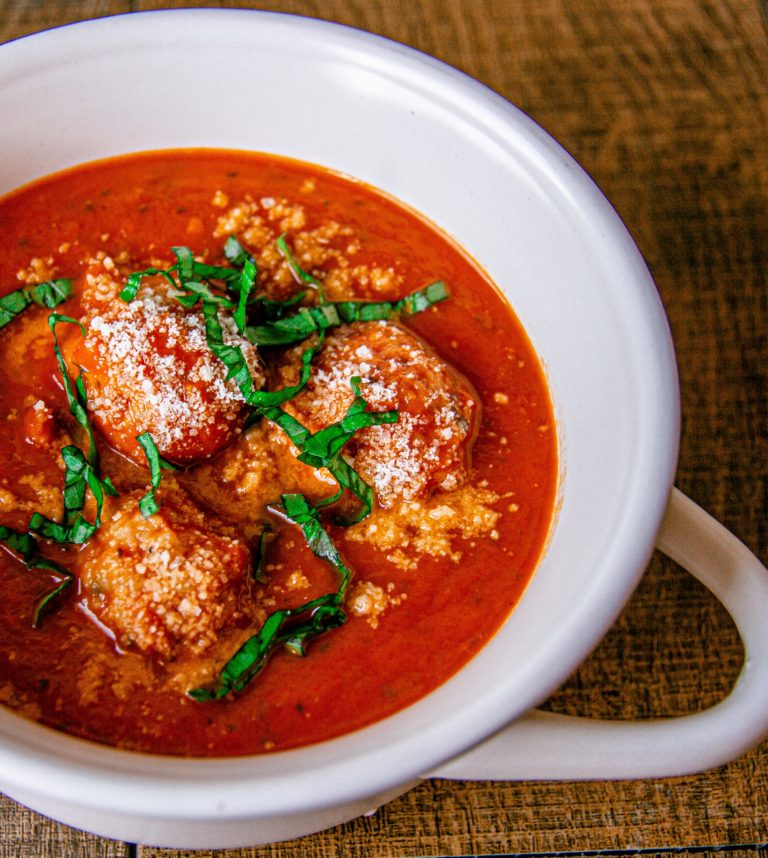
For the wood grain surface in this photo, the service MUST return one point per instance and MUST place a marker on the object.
(665, 103)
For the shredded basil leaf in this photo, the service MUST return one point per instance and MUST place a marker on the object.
(423, 299)
(77, 396)
(348, 478)
(80, 472)
(199, 290)
(242, 260)
(292, 628)
(26, 546)
(233, 358)
(78, 475)
(296, 328)
(246, 286)
(293, 329)
(323, 449)
(416, 302)
(148, 504)
(191, 280)
(191, 275)
(235, 252)
(49, 294)
(11, 305)
(320, 449)
(239, 257)
(274, 310)
(133, 283)
(296, 431)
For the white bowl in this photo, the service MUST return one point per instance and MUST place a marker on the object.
(487, 175)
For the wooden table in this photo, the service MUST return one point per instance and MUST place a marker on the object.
(665, 102)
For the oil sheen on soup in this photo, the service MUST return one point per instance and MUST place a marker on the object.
(278, 458)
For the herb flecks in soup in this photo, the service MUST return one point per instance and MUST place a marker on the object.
(278, 458)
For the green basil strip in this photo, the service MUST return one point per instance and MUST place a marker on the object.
(247, 284)
(148, 504)
(44, 603)
(294, 328)
(331, 498)
(422, 299)
(263, 400)
(185, 262)
(348, 478)
(274, 310)
(133, 283)
(79, 470)
(235, 252)
(49, 294)
(233, 358)
(296, 431)
(323, 449)
(297, 509)
(198, 290)
(298, 272)
(240, 257)
(77, 396)
(202, 271)
(11, 305)
(372, 311)
(246, 264)
(190, 276)
(189, 268)
(292, 628)
(76, 528)
(27, 548)
(75, 480)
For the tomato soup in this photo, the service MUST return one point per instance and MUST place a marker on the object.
(233, 385)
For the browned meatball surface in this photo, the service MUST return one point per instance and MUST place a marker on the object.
(169, 583)
(428, 447)
(149, 369)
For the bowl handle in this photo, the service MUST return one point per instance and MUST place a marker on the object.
(547, 746)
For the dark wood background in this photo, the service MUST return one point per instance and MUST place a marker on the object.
(665, 103)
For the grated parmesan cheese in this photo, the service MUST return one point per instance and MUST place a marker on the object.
(150, 369)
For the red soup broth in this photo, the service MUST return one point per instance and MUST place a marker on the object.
(441, 602)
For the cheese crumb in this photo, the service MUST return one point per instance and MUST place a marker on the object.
(370, 601)
(409, 531)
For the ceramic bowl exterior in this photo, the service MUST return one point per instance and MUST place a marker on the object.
(488, 176)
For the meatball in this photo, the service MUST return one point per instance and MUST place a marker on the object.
(149, 369)
(428, 447)
(168, 584)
